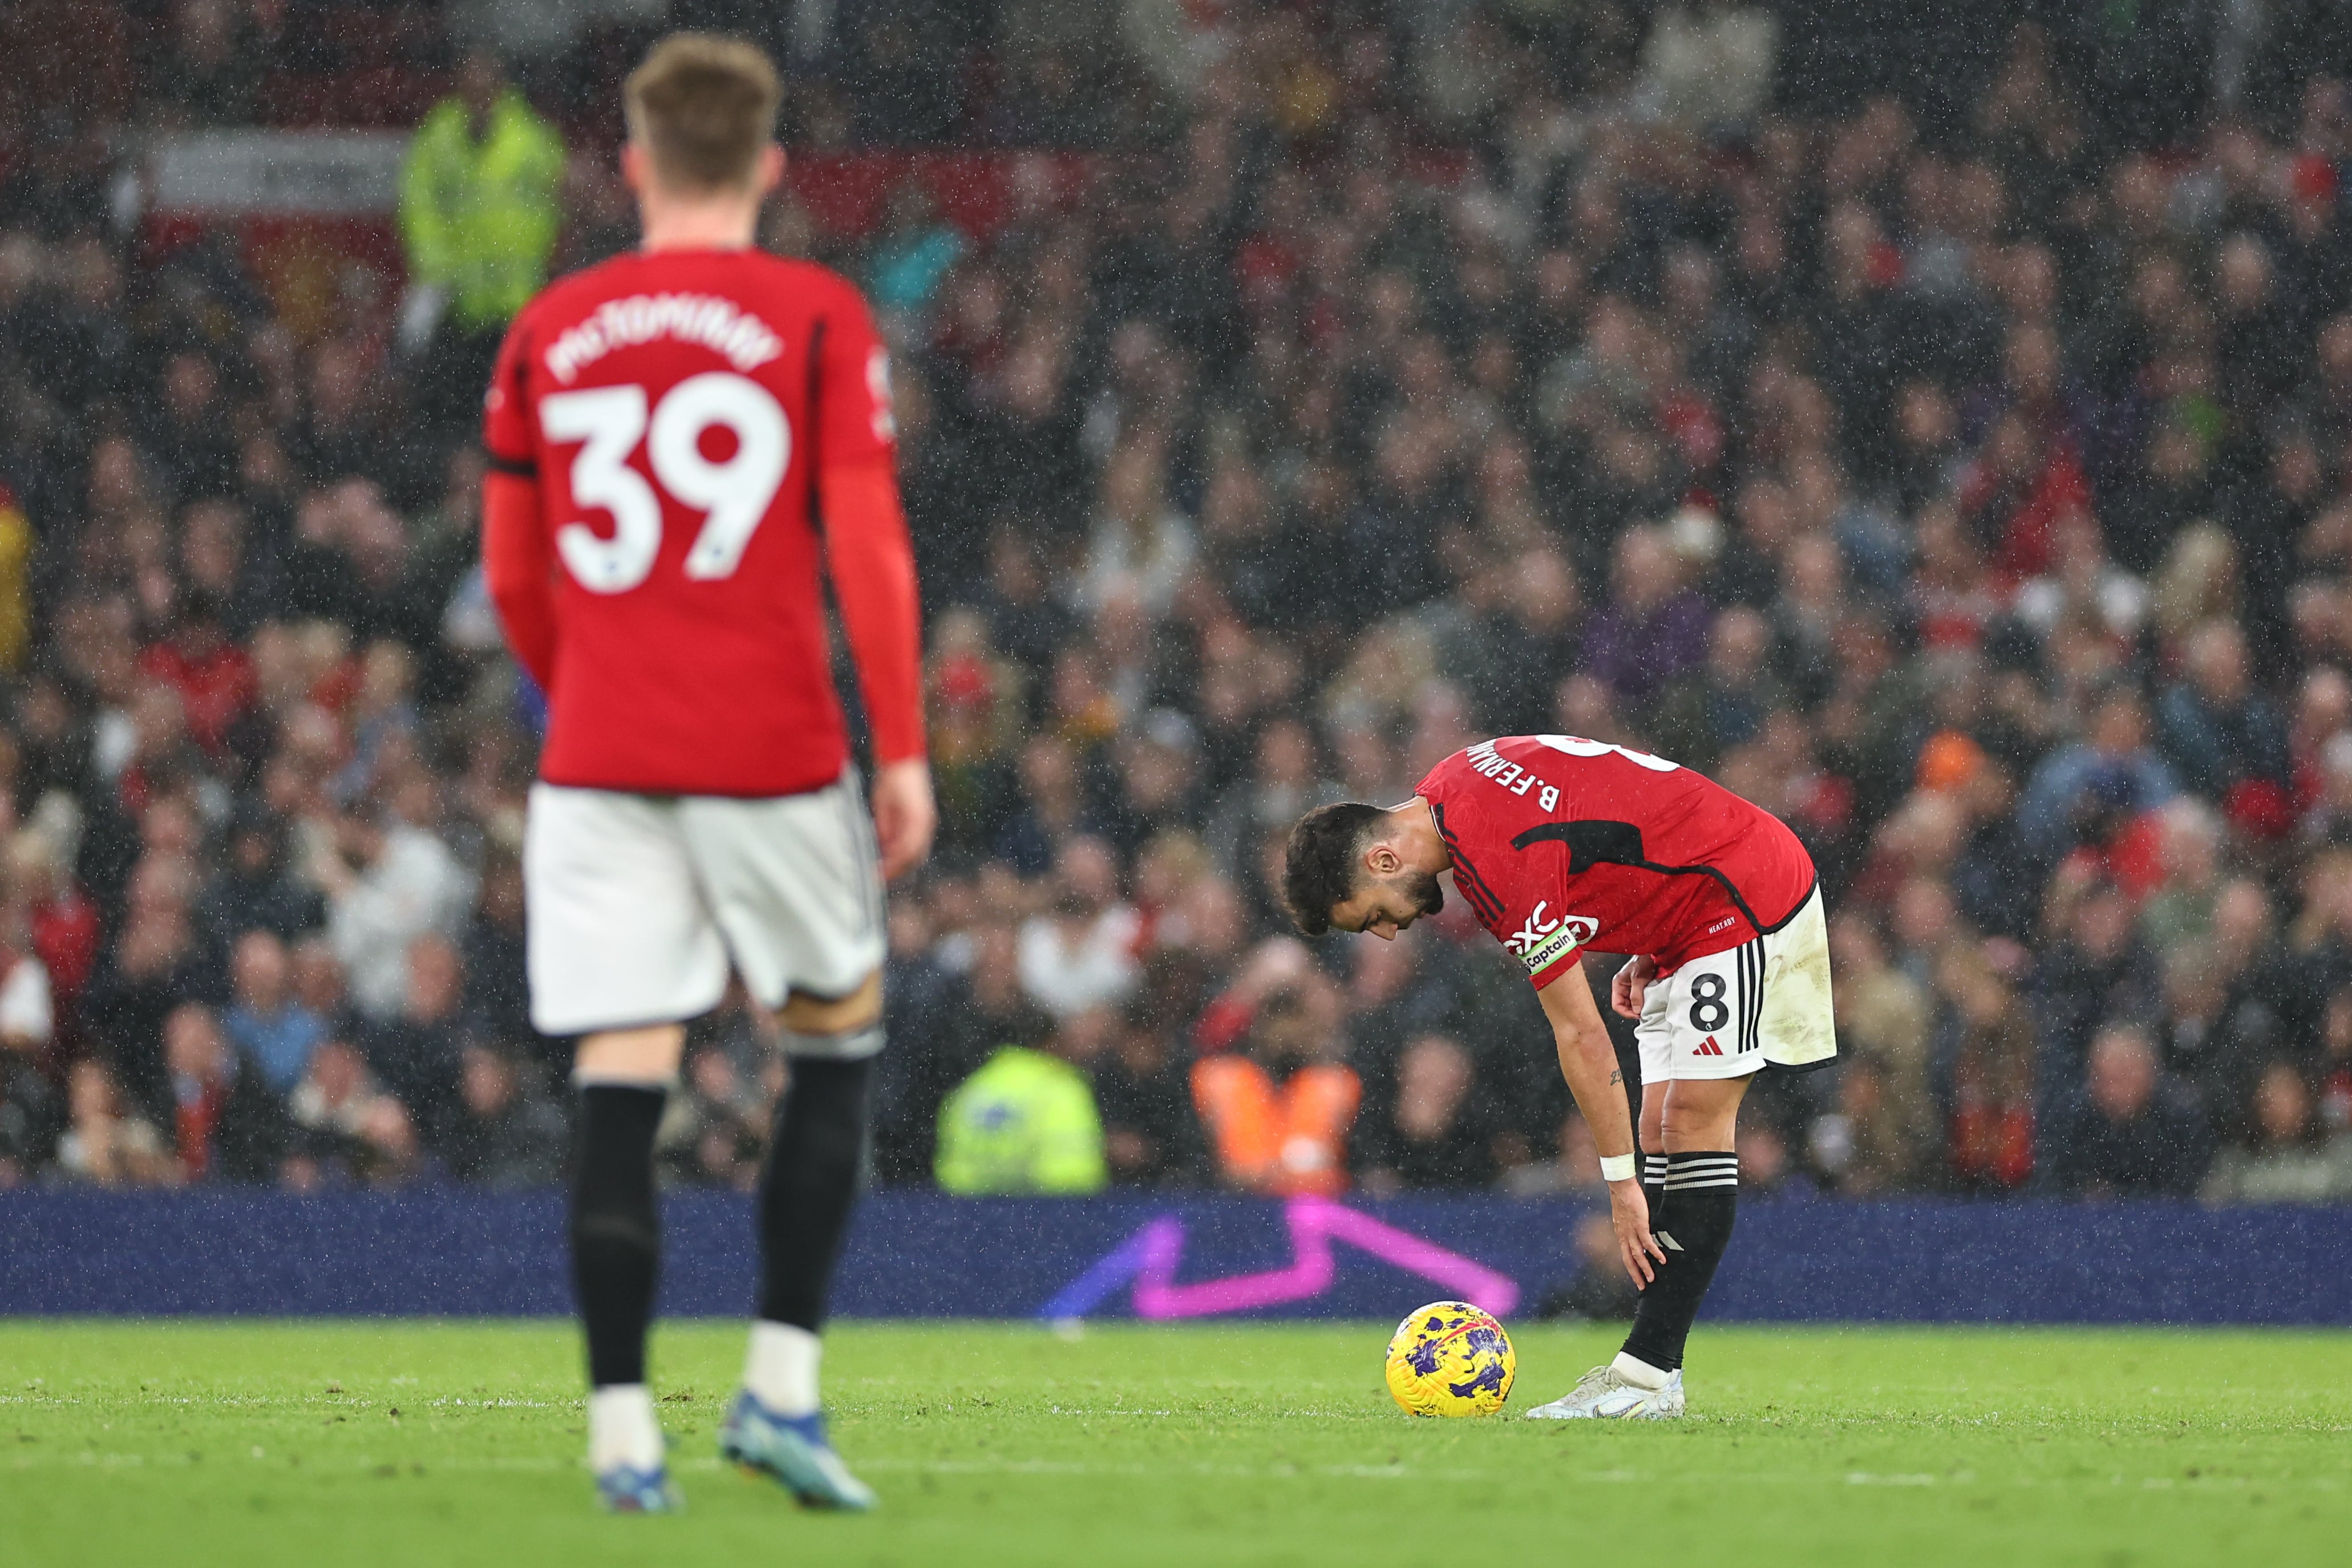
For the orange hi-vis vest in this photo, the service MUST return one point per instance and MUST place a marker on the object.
(1288, 1139)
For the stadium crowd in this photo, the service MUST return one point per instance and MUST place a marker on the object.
(1977, 495)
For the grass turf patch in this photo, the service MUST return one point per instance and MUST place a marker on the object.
(413, 1444)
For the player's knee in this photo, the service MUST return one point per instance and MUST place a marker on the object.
(1650, 1127)
(1700, 1120)
(642, 1057)
(813, 1017)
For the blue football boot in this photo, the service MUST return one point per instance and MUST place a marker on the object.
(792, 1450)
(625, 1489)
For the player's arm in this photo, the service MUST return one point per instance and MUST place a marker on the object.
(1588, 1059)
(518, 549)
(872, 561)
(519, 567)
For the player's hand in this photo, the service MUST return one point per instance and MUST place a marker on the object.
(905, 816)
(1632, 982)
(1629, 1213)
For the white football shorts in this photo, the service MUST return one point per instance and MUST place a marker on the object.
(1765, 1003)
(636, 903)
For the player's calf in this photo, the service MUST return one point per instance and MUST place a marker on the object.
(808, 1190)
(1692, 1222)
(616, 1257)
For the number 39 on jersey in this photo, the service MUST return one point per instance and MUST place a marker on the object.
(733, 493)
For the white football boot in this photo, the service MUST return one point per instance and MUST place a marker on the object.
(1605, 1395)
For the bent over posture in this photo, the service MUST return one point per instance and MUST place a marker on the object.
(669, 432)
(1558, 844)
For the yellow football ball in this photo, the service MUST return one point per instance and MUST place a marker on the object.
(1451, 1359)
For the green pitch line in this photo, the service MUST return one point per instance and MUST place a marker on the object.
(423, 1444)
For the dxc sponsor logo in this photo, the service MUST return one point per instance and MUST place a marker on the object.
(1575, 929)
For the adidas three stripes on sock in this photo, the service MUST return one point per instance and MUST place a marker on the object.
(1692, 1218)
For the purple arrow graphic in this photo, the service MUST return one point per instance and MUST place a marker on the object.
(1150, 1257)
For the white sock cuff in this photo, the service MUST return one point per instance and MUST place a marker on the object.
(623, 1428)
(780, 1367)
(1639, 1372)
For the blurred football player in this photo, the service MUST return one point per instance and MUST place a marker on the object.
(682, 440)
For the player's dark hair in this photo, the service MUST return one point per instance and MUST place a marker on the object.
(703, 107)
(1318, 867)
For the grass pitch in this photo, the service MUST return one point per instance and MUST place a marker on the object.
(420, 1444)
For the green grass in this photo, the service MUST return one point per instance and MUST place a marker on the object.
(422, 1445)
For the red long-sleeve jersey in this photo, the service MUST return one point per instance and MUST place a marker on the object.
(672, 427)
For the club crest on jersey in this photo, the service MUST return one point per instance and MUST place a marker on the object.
(1542, 943)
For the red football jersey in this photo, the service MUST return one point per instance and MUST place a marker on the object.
(672, 407)
(1561, 843)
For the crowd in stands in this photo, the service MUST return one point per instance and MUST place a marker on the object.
(1975, 495)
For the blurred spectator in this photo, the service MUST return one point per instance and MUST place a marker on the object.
(1080, 951)
(319, 985)
(346, 1132)
(2208, 1042)
(62, 926)
(1766, 1165)
(1429, 1139)
(154, 966)
(1279, 1109)
(478, 215)
(492, 955)
(1708, 65)
(419, 1054)
(1652, 628)
(505, 1136)
(264, 1021)
(1863, 1148)
(1883, 1016)
(27, 1014)
(2089, 792)
(1992, 1097)
(912, 255)
(103, 1145)
(254, 889)
(2135, 1134)
(1284, 782)
(1026, 1123)
(1151, 1135)
(716, 1128)
(388, 884)
(2223, 737)
(2291, 1157)
(227, 1124)
(29, 1107)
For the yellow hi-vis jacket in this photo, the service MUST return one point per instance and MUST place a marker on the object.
(1026, 1123)
(480, 219)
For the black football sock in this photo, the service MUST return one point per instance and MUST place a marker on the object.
(810, 1186)
(615, 1234)
(1693, 1224)
(1653, 1184)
